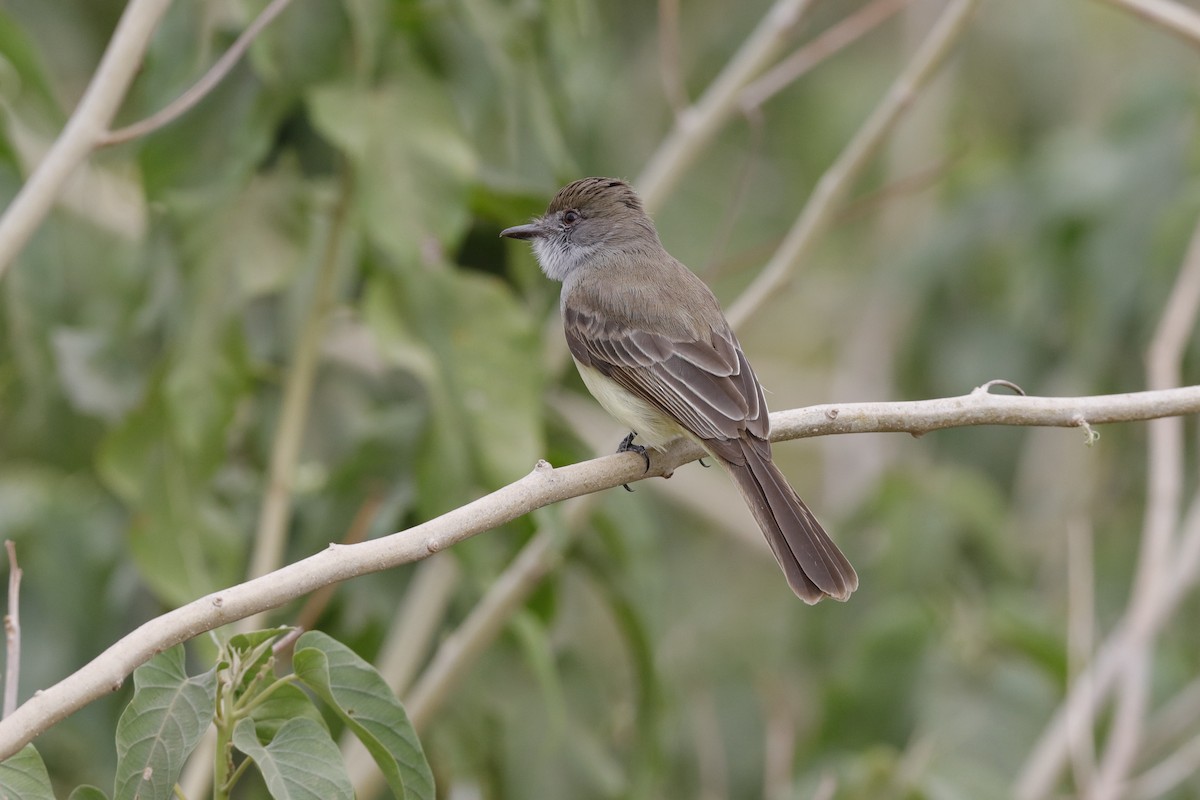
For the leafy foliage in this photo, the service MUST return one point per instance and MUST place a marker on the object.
(266, 719)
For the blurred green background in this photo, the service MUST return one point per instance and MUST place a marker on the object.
(1026, 221)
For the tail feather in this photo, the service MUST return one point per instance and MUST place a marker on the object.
(813, 564)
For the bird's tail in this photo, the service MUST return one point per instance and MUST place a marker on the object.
(811, 561)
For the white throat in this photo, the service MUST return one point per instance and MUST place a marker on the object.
(559, 257)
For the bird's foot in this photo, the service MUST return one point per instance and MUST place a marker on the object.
(703, 463)
(627, 446)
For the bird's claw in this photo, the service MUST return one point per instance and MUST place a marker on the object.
(627, 446)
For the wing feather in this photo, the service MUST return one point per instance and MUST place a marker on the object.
(705, 383)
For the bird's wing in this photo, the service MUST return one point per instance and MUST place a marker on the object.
(705, 384)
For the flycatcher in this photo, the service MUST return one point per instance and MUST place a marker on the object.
(653, 346)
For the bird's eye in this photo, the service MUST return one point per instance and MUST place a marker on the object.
(570, 217)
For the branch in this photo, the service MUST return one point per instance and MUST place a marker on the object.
(1167, 566)
(276, 511)
(543, 486)
(850, 163)
(84, 130)
(12, 631)
(828, 44)
(697, 124)
(1176, 18)
(1158, 552)
(216, 73)
(485, 621)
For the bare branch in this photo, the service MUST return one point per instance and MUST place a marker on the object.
(485, 621)
(12, 631)
(696, 125)
(1168, 562)
(840, 176)
(668, 55)
(84, 130)
(216, 73)
(318, 601)
(1175, 17)
(1164, 492)
(1081, 630)
(543, 486)
(829, 43)
(1041, 770)
(1163, 777)
(276, 509)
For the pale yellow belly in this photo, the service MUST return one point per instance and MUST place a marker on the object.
(653, 427)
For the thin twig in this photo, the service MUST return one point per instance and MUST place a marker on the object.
(293, 416)
(1038, 777)
(1165, 568)
(12, 631)
(318, 601)
(838, 179)
(1174, 719)
(85, 128)
(544, 486)
(696, 126)
(1081, 625)
(216, 73)
(669, 67)
(1164, 492)
(457, 652)
(741, 189)
(1164, 776)
(828, 44)
(1175, 17)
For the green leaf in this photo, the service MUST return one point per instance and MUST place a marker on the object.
(412, 163)
(160, 461)
(300, 763)
(357, 693)
(469, 339)
(161, 725)
(24, 776)
(252, 650)
(285, 703)
(21, 71)
(86, 792)
(219, 143)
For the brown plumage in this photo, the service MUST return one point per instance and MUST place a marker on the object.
(652, 344)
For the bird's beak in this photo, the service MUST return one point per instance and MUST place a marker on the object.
(534, 230)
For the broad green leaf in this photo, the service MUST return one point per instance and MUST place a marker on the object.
(21, 71)
(161, 725)
(95, 373)
(412, 164)
(357, 693)
(218, 144)
(160, 461)
(296, 50)
(301, 762)
(243, 245)
(24, 776)
(469, 340)
(285, 703)
(86, 792)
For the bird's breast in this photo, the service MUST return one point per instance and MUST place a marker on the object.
(654, 428)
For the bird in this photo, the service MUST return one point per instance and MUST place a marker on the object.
(654, 348)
